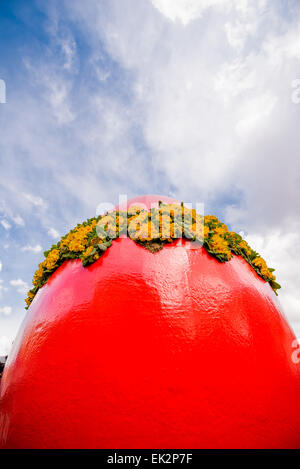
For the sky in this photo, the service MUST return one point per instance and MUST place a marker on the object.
(193, 99)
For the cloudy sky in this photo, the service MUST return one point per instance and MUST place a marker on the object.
(196, 99)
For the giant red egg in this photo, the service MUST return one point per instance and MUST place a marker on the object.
(171, 349)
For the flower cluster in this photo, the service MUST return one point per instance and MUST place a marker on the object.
(152, 229)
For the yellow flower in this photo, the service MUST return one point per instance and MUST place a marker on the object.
(38, 274)
(76, 246)
(143, 233)
(219, 245)
(262, 265)
(245, 247)
(211, 218)
(28, 301)
(51, 259)
(138, 226)
(134, 210)
(259, 262)
(88, 251)
(221, 230)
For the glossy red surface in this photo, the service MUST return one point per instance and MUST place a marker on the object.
(142, 350)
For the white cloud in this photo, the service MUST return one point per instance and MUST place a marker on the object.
(234, 215)
(34, 200)
(5, 224)
(37, 248)
(6, 310)
(63, 39)
(7, 211)
(186, 10)
(0, 266)
(53, 233)
(18, 220)
(255, 113)
(5, 345)
(56, 91)
(2, 288)
(22, 287)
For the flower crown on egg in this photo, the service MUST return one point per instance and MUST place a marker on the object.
(152, 229)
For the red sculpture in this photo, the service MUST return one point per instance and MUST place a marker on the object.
(140, 350)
